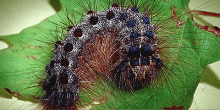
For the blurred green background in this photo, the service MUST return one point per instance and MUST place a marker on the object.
(15, 15)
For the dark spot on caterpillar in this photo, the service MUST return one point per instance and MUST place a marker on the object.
(52, 80)
(115, 5)
(69, 28)
(49, 72)
(145, 61)
(68, 47)
(110, 15)
(89, 12)
(122, 65)
(131, 23)
(64, 62)
(58, 43)
(93, 20)
(78, 32)
(158, 62)
(149, 34)
(52, 64)
(63, 78)
(146, 20)
(145, 50)
(135, 9)
(134, 51)
(134, 62)
(123, 16)
(134, 35)
(46, 86)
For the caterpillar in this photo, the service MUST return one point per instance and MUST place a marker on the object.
(126, 93)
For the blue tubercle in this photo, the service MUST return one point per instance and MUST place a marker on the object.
(149, 34)
(158, 62)
(133, 51)
(134, 62)
(123, 16)
(134, 35)
(135, 9)
(145, 50)
(146, 20)
(145, 61)
(131, 23)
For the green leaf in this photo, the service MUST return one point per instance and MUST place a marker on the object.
(188, 50)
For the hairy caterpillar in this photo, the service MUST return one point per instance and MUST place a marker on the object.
(184, 55)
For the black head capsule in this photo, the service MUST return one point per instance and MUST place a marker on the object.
(131, 23)
(93, 20)
(110, 15)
